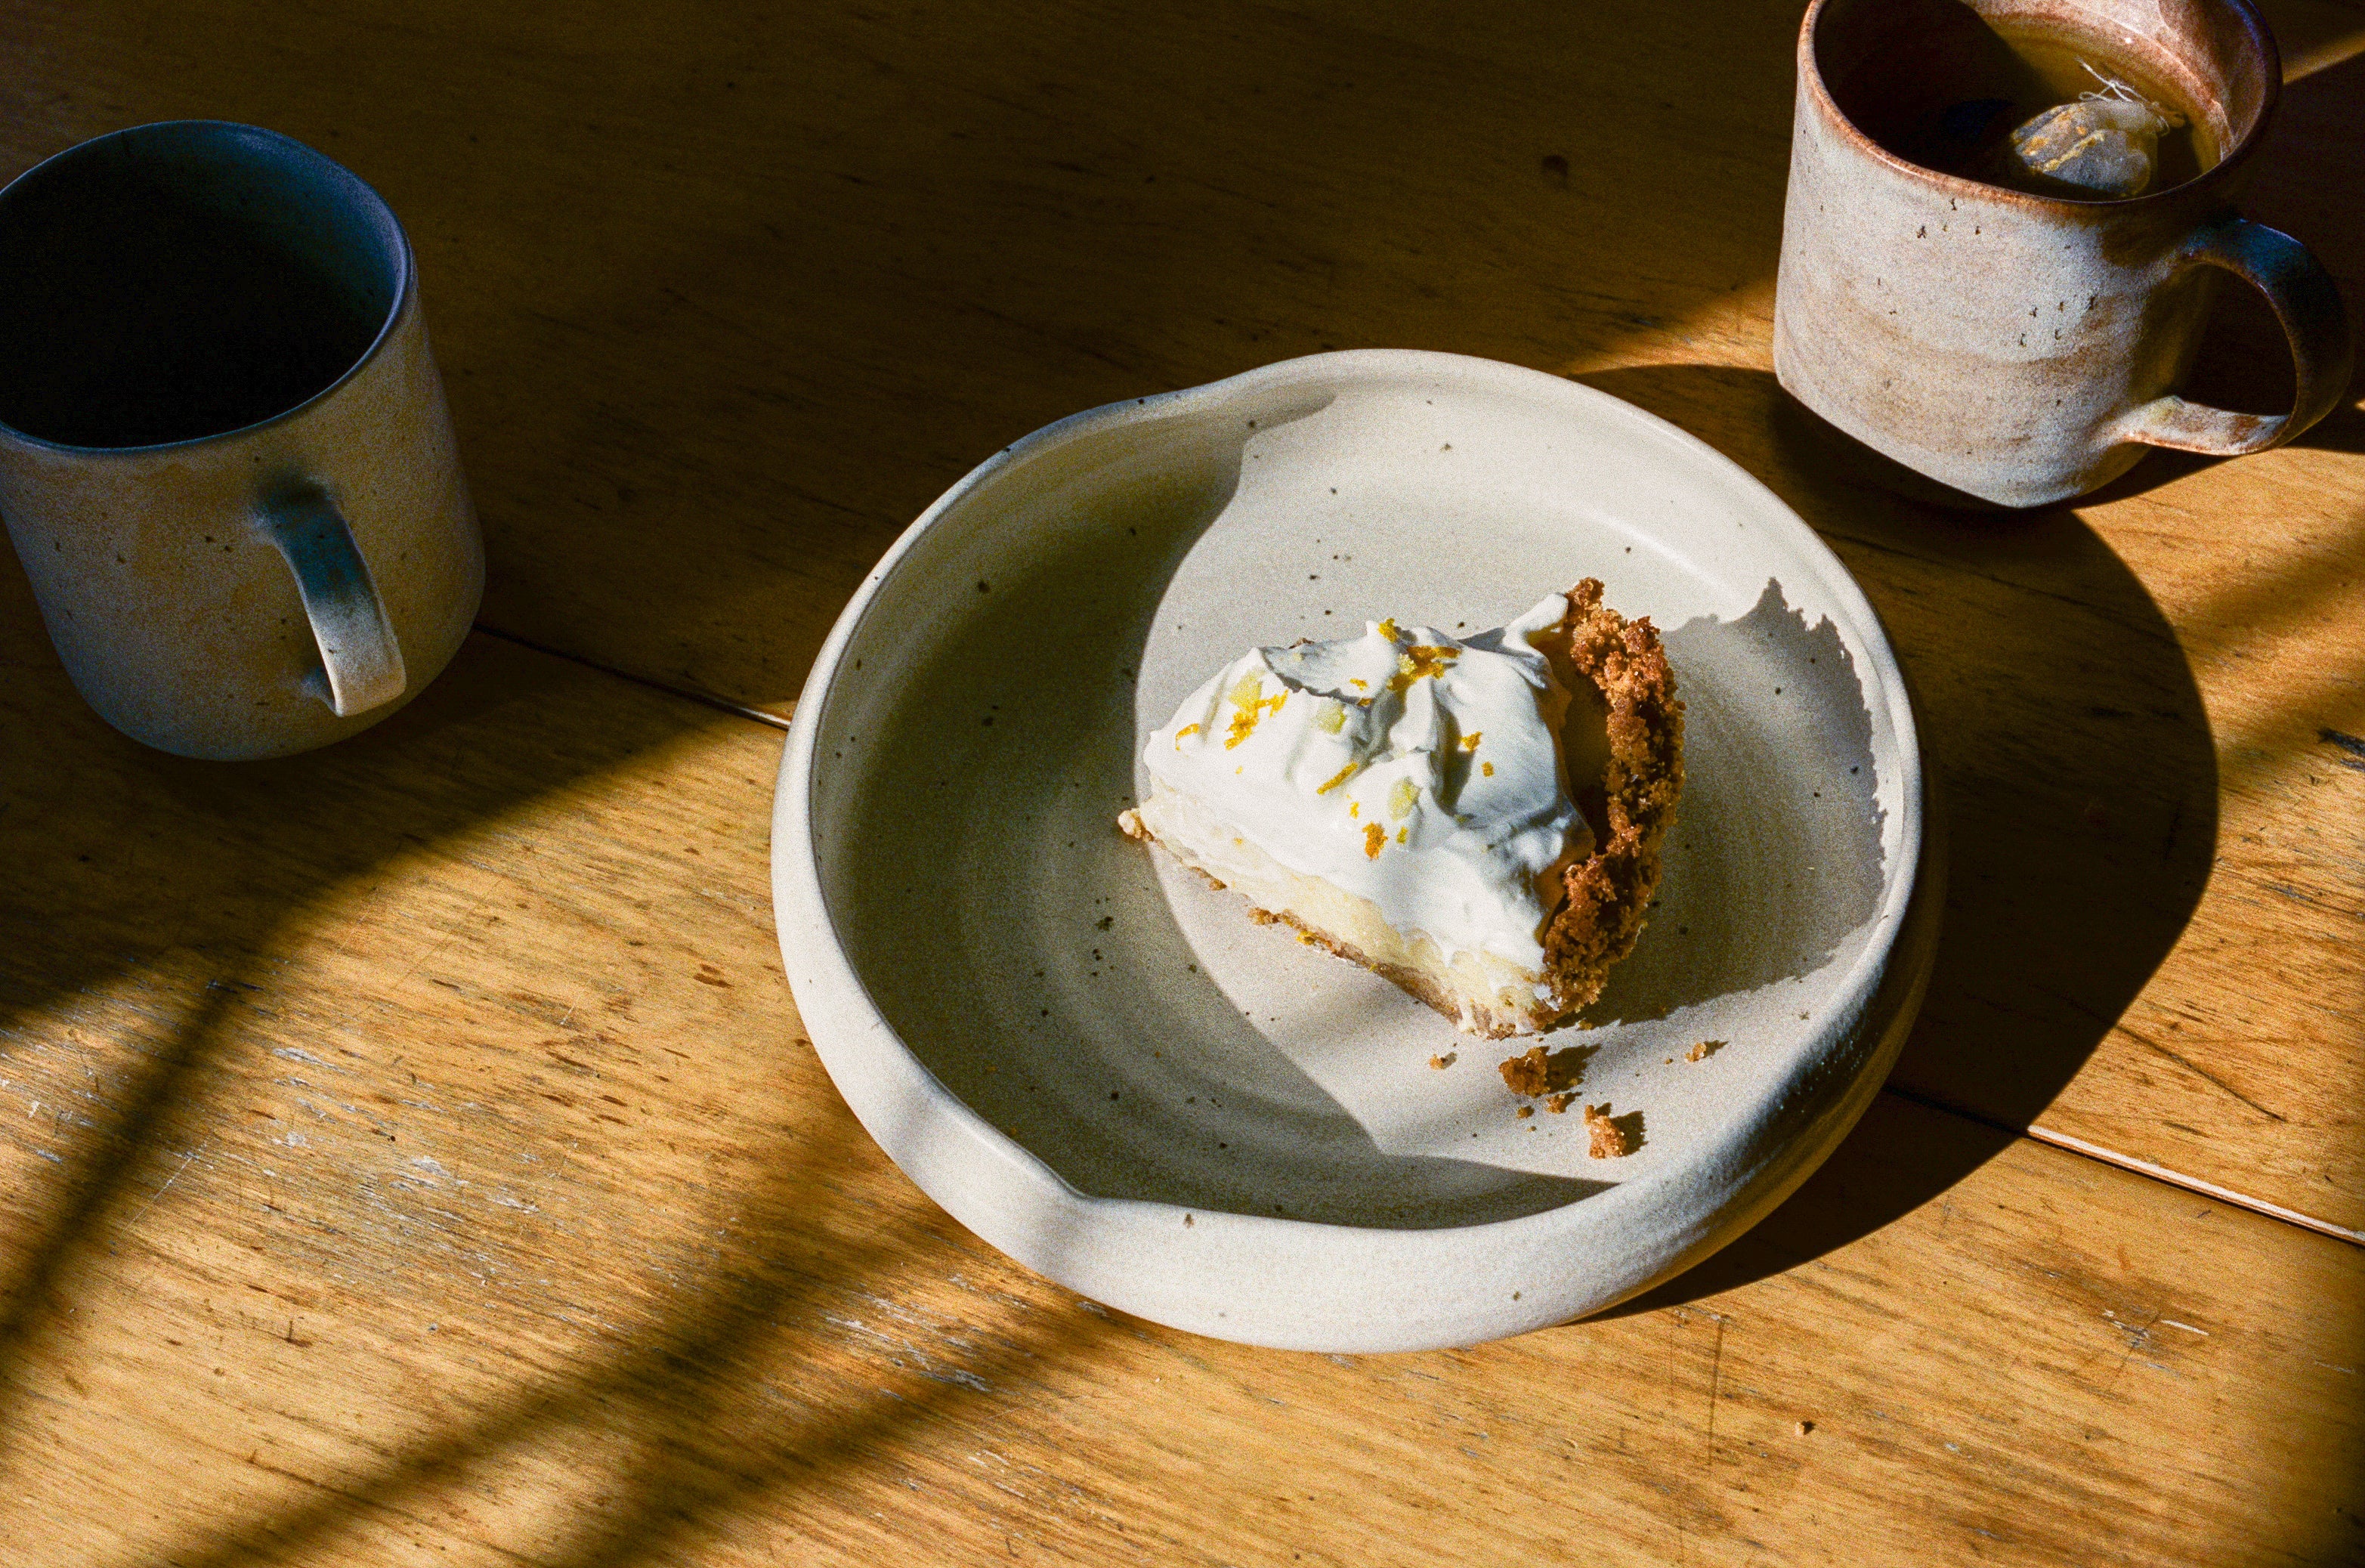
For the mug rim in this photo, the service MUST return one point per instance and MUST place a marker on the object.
(1811, 76)
(405, 280)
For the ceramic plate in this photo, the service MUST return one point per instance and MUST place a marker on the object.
(1099, 1065)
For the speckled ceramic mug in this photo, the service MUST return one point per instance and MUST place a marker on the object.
(225, 458)
(2024, 349)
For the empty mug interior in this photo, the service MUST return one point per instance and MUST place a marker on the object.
(1887, 64)
(182, 280)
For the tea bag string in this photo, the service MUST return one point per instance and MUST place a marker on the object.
(2118, 92)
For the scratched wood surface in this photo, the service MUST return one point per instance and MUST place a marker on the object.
(726, 298)
(410, 1155)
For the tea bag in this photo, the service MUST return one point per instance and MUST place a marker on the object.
(2106, 142)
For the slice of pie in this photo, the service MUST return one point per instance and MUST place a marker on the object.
(1478, 820)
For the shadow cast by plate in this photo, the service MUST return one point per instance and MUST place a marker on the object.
(2071, 769)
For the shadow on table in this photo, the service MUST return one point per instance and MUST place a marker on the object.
(145, 897)
(1012, 244)
(721, 305)
(147, 886)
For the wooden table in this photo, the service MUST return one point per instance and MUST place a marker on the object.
(409, 1153)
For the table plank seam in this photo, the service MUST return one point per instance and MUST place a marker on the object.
(691, 693)
(2038, 1132)
(2062, 1140)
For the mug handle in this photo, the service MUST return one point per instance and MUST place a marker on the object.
(361, 663)
(2304, 299)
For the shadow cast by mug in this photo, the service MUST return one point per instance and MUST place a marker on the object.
(2072, 769)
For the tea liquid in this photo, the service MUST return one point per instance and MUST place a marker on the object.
(1954, 107)
(134, 316)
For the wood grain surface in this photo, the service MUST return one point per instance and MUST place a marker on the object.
(726, 296)
(410, 1154)
(438, 1175)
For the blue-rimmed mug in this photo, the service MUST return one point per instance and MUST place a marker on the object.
(225, 457)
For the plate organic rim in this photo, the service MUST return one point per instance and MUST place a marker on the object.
(812, 949)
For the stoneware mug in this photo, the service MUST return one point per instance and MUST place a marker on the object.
(225, 458)
(2021, 349)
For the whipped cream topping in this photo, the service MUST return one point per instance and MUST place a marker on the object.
(1405, 766)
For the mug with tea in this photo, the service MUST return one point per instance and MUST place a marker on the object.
(2003, 224)
(225, 458)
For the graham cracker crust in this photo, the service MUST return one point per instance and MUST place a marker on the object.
(1610, 892)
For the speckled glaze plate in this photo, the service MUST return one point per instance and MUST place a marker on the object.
(1098, 1064)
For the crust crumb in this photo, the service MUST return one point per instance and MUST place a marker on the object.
(1612, 1137)
(1704, 1050)
(1525, 1074)
(1440, 1062)
(1541, 1071)
(1559, 1103)
(1526, 1111)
